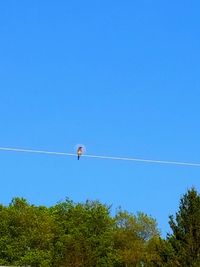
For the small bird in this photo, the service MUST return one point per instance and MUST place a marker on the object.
(79, 151)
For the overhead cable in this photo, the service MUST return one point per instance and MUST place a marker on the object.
(9, 149)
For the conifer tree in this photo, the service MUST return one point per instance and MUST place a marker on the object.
(185, 237)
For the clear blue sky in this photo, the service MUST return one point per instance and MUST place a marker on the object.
(122, 77)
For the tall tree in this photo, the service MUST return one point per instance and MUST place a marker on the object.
(185, 237)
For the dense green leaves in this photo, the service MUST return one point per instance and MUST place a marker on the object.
(132, 236)
(86, 235)
(185, 238)
(26, 234)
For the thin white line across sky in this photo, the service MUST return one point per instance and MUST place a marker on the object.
(9, 149)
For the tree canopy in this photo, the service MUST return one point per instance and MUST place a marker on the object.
(185, 237)
(87, 235)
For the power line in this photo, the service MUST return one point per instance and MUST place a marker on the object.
(36, 151)
(9, 149)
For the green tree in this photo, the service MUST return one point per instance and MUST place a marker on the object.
(83, 235)
(132, 234)
(26, 234)
(185, 237)
(77, 235)
(159, 253)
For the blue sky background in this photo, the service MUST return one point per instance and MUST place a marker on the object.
(122, 77)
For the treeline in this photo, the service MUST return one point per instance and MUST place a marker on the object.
(86, 235)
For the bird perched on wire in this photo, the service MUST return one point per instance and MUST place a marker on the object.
(79, 151)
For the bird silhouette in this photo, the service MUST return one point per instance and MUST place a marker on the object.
(79, 151)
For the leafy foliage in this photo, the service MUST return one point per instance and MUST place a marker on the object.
(185, 238)
(86, 235)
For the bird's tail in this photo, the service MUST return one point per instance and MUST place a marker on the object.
(78, 157)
